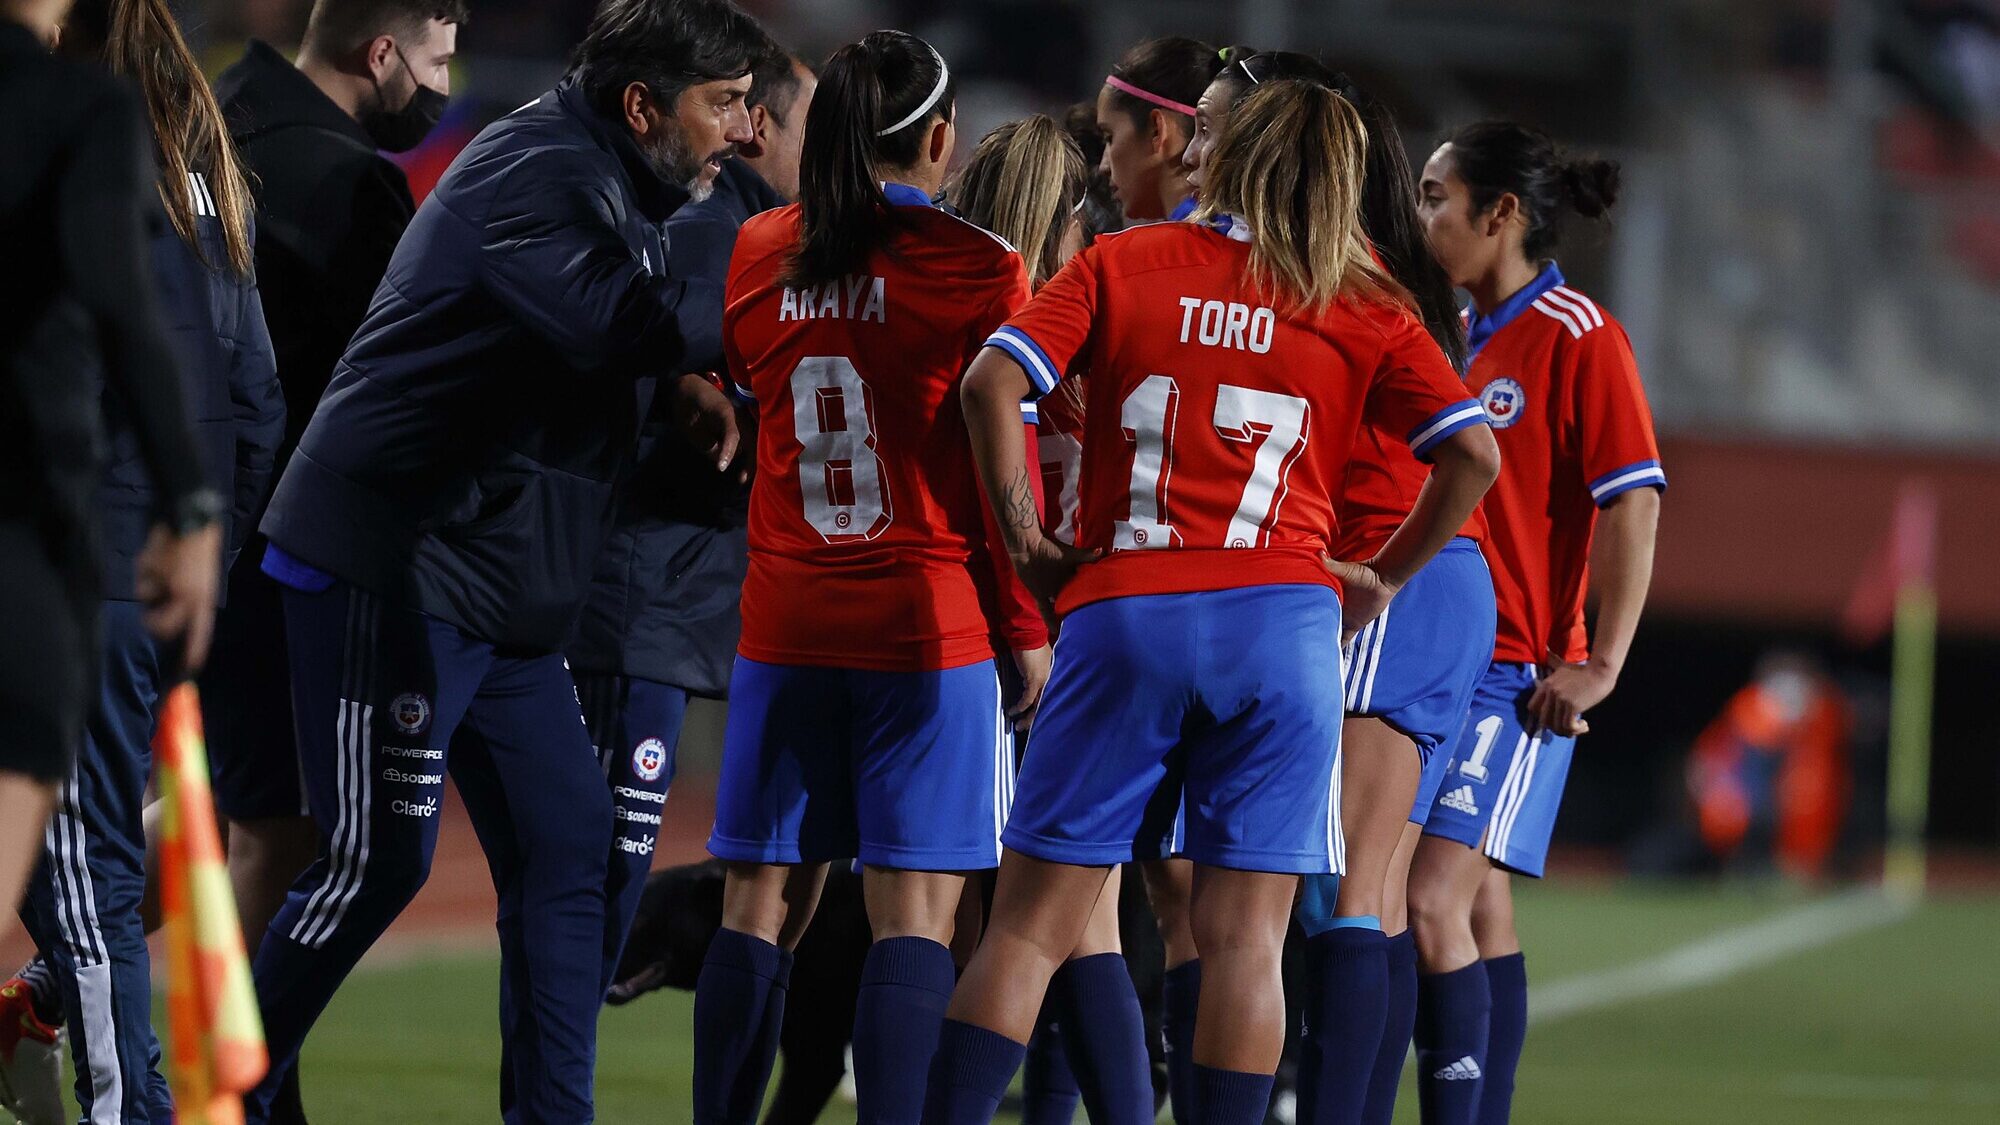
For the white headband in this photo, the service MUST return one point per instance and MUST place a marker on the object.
(917, 114)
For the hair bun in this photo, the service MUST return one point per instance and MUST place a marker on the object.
(1591, 186)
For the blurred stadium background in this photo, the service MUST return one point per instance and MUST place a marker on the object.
(1807, 256)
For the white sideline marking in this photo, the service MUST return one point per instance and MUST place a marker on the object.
(1720, 955)
(1862, 1087)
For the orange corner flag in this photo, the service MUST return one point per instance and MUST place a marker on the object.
(216, 1040)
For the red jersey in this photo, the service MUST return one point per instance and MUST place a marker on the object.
(1214, 419)
(1059, 443)
(1557, 378)
(869, 536)
(1383, 480)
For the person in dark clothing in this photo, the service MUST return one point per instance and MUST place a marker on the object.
(371, 74)
(76, 296)
(437, 528)
(662, 623)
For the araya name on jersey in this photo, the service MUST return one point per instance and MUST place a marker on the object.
(1227, 324)
(856, 297)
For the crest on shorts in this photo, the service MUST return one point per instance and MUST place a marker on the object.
(411, 712)
(649, 759)
(1504, 400)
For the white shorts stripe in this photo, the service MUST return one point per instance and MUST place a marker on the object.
(1512, 813)
(1508, 785)
(1381, 627)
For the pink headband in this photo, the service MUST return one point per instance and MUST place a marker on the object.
(1118, 83)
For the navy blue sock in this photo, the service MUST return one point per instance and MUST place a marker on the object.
(1507, 1028)
(1049, 1092)
(1452, 1013)
(969, 1074)
(905, 987)
(1106, 1037)
(739, 1005)
(1402, 1019)
(1346, 1011)
(1230, 1097)
(1181, 995)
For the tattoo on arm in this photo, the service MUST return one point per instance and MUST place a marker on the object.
(1018, 512)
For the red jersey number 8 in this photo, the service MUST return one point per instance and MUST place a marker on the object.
(840, 475)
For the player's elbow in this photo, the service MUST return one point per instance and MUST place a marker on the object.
(1472, 455)
(992, 384)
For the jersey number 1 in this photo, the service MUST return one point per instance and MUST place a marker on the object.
(840, 475)
(1242, 414)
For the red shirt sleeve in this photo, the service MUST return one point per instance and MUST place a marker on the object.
(1608, 423)
(1046, 337)
(1416, 393)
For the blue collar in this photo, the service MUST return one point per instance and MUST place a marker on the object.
(1480, 327)
(903, 195)
(1229, 226)
(1182, 210)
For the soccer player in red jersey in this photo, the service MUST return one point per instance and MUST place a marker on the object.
(1146, 114)
(1025, 183)
(1231, 362)
(1410, 674)
(1576, 505)
(865, 711)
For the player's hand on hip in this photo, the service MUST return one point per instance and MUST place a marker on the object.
(176, 577)
(1364, 594)
(1046, 565)
(707, 417)
(1565, 692)
(1033, 664)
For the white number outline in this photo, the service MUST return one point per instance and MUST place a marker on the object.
(1148, 418)
(1489, 733)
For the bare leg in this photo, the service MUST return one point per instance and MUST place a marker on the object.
(1396, 883)
(772, 902)
(1445, 877)
(1379, 773)
(1493, 916)
(1239, 921)
(265, 857)
(1170, 888)
(1040, 912)
(1100, 934)
(24, 806)
(922, 904)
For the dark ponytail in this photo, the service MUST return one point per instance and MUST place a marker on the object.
(1388, 190)
(864, 88)
(1496, 158)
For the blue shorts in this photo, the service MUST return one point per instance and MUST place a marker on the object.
(910, 770)
(1415, 666)
(1221, 698)
(1503, 787)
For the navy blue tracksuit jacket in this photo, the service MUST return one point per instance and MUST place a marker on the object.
(463, 460)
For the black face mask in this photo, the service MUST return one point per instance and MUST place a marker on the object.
(404, 129)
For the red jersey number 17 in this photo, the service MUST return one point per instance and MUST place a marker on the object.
(1149, 417)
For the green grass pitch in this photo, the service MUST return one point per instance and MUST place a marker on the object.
(1898, 1024)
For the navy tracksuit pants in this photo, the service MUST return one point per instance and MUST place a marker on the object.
(82, 905)
(634, 725)
(380, 692)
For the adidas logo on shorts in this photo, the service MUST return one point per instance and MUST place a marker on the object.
(1460, 799)
(1462, 1070)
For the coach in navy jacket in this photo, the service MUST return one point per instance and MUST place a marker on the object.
(463, 459)
(437, 528)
